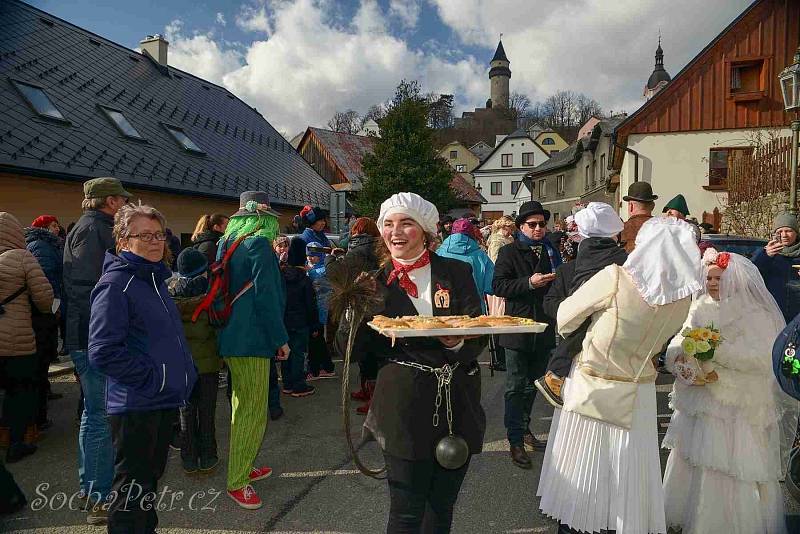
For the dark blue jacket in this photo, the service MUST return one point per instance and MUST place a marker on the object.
(136, 337)
(310, 236)
(781, 280)
(49, 252)
(790, 334)
(301, 302)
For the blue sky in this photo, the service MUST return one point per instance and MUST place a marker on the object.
(299, 61)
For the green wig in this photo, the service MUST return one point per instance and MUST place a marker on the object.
(260, 224)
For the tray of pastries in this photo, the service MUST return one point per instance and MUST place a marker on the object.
(453, 325)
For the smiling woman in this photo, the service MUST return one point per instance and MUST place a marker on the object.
(427, 454)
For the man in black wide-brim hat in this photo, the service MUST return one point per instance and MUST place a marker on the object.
(641, 203)
(522, 275)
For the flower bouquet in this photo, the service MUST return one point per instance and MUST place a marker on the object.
(699, 344)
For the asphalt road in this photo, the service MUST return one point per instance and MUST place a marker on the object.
(315, 487)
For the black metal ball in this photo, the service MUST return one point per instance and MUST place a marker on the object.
(452, 452)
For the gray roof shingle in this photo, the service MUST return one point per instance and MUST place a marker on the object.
(81, 71)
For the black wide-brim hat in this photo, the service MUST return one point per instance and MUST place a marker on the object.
(640, 191)
(531, 208)
(261, 204)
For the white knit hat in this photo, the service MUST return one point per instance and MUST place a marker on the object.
(413, 205)
(598, 219)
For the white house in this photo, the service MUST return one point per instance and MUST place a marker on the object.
(499, 176)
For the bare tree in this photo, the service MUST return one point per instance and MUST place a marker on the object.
(585, 109)
(345, 121)
(518, 104)
(376, 112)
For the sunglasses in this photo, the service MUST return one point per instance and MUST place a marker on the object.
(534, 224)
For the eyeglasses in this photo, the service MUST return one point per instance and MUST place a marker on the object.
(534, 224)
(148, 237)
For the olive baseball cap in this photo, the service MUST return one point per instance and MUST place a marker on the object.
(104, 187)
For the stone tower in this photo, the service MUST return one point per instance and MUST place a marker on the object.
(660, 78)
(499, 76)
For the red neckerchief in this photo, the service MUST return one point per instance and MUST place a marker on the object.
(400, 272)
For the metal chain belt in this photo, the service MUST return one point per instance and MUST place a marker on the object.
(444, 375)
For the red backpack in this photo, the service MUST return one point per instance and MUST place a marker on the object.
(218, 302)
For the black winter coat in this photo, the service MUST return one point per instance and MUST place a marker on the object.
(84, 253)
(301, 301)
(206, 242)
(401, 414)
(515, 264)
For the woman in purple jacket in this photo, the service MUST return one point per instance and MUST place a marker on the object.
(136, 339)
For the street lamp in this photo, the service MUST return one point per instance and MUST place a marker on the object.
(790, 88)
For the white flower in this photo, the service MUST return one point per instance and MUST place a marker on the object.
(689, 346)
(702, 346)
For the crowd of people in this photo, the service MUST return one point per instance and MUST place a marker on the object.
(154, 331)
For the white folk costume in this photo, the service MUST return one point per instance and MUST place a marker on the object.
(722, 474)
(602, 476)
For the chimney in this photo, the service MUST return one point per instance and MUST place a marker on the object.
(156, 47)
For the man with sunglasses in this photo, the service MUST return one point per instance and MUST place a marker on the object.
(523, 274)
(84, 251)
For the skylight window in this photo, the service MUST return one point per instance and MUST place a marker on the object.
(122, 124)
(183, 139)
(39, 101)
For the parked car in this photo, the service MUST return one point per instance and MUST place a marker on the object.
(746, 246)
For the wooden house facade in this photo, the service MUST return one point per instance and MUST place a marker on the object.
(725, 103)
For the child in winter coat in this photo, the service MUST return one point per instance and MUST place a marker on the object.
(300, 319)
(319, 357)
(188, 287)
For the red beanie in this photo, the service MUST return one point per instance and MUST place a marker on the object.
(43, 221)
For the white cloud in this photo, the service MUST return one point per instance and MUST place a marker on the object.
(405, 10)
(604, 49)
(221, 19)
(310, 65)
(254, 18)
(199, 53)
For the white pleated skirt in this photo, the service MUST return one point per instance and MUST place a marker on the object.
(598, 476)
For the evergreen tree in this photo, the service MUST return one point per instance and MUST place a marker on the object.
(405, 158)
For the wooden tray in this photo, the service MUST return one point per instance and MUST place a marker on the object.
(537, 328)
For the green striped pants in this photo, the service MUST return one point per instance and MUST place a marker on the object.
(250, 377)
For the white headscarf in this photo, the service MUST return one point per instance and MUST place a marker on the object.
(665, 265)
(413, 205)
(598, 219)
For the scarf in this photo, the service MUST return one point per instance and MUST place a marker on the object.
(555, 257)
(792, 251)
(400, 272)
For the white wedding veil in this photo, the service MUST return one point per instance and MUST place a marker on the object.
(741, 288)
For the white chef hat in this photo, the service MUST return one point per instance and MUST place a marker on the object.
(413, 205)
(598, 219)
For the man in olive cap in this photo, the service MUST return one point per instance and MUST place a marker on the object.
(84, 251)
(641, 203)
(676, 208)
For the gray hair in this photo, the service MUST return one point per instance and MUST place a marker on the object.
(94, 203)
(126, 215)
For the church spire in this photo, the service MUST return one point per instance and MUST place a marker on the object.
(500, 53)
(659, 77)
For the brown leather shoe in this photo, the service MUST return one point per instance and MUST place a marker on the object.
(550, 388)
(520, 457)
(534, 443)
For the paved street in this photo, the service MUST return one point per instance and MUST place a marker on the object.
(315, 487)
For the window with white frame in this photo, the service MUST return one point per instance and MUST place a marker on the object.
(461, 168)
(542, 188)
(560, 183)
(497, 188)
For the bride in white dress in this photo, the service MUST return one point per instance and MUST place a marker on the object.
(726, 436)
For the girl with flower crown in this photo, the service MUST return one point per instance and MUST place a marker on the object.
(727, 434)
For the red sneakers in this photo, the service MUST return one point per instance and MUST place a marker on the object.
(260, 473)
(246, 497)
